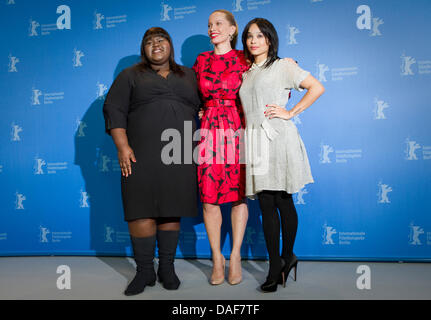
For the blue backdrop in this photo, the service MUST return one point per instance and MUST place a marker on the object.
(368, 137)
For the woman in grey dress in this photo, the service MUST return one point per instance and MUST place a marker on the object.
(276, 159)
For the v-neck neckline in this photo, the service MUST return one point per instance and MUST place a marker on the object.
(158, 74)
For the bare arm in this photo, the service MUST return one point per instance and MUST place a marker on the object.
(314, 90)
(125, 152)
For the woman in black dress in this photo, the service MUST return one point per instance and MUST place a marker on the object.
(144, 101)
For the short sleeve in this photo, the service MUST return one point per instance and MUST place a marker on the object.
(293, 74)
(243, 61)
(196, 66)
(116, 106)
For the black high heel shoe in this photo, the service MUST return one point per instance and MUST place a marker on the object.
(289, 264)
(270, 284)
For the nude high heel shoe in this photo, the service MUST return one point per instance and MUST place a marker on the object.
(216, 280)
(235, 271)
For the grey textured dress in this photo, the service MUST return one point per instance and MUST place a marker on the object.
(276, 158)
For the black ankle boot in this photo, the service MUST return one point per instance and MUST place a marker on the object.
(143, 250)
(273, 279)
(167, 243)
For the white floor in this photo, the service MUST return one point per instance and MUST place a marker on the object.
(106, 278)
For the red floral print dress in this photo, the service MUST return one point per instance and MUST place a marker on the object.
(221, 176)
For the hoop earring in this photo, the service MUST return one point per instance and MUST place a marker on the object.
(230, 37)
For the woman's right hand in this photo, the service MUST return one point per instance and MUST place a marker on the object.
(201, 114)
(125, 156)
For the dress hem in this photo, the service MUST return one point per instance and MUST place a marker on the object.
(224, 202)
(287, 190)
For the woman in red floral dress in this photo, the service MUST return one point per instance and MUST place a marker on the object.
(221, 175)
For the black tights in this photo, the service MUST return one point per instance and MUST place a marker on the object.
(148, 227)
(269, 202)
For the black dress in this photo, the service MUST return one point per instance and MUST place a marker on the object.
(146, 104)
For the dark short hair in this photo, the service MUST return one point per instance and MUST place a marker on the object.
(271, 36)
(158, 32)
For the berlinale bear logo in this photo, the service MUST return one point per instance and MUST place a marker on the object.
(64, 21)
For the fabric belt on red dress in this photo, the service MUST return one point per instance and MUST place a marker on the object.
(220, 103)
